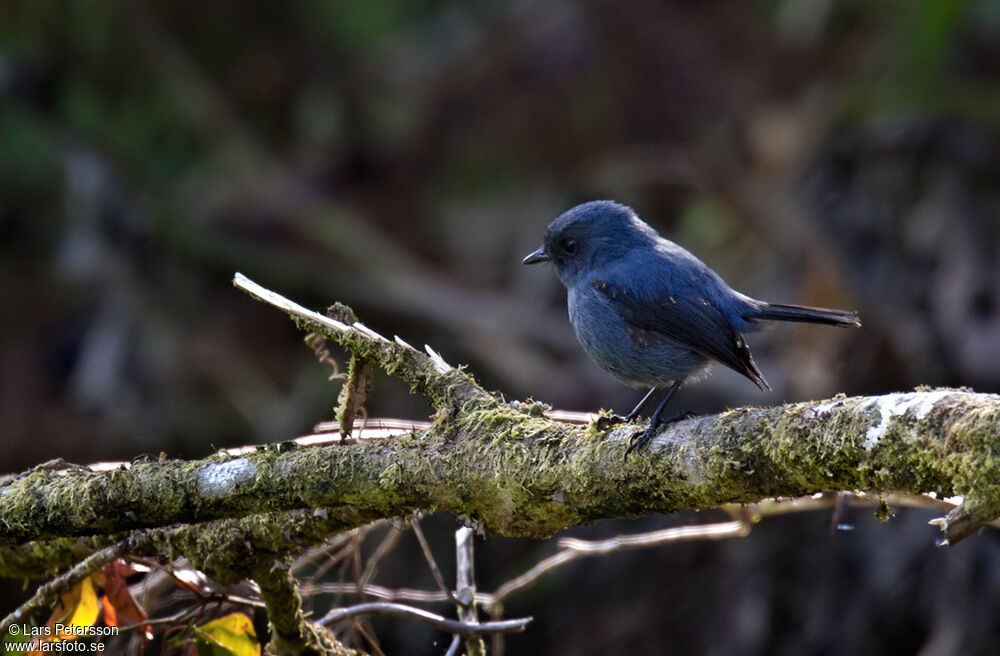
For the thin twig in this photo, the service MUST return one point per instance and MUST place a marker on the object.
(573, 549)
(382, 592)
(542, 567)
(383, 549)
(342, 571)
(355, 565)
(426, 548)
(720, 531)
(367, 635)
(463, 629)
(344, 543)
(456, 642)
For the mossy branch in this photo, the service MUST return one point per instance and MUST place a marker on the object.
(516, 472)
(291, 633)
(46, 557)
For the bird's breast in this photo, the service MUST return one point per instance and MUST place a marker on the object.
(611, 342)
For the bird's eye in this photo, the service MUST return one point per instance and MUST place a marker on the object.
(568, 246)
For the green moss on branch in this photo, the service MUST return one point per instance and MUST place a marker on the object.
(524, 475)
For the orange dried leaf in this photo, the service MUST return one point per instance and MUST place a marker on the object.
(120, 607)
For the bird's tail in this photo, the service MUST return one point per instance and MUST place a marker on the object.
(806, 314)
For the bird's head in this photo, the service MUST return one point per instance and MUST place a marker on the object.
(590, 236)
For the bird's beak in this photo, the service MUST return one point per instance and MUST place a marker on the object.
(538, 256)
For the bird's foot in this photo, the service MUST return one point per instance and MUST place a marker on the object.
(604, 422)
(643, 438)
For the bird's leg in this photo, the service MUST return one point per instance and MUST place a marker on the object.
(642, 404)
(606, 422)
(655, 421)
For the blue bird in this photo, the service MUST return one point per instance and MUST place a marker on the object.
(649, 312)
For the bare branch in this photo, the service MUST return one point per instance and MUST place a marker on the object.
(573, 549)
(463, 629)
(722, 531)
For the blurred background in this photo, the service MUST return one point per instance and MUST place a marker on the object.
(402, 156)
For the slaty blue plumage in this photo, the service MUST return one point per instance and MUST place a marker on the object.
(649, 312)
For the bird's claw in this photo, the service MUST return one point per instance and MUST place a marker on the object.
(643, 439)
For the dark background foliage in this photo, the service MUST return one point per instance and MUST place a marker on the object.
(402, 156)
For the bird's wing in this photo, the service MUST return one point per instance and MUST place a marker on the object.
(685, 320)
